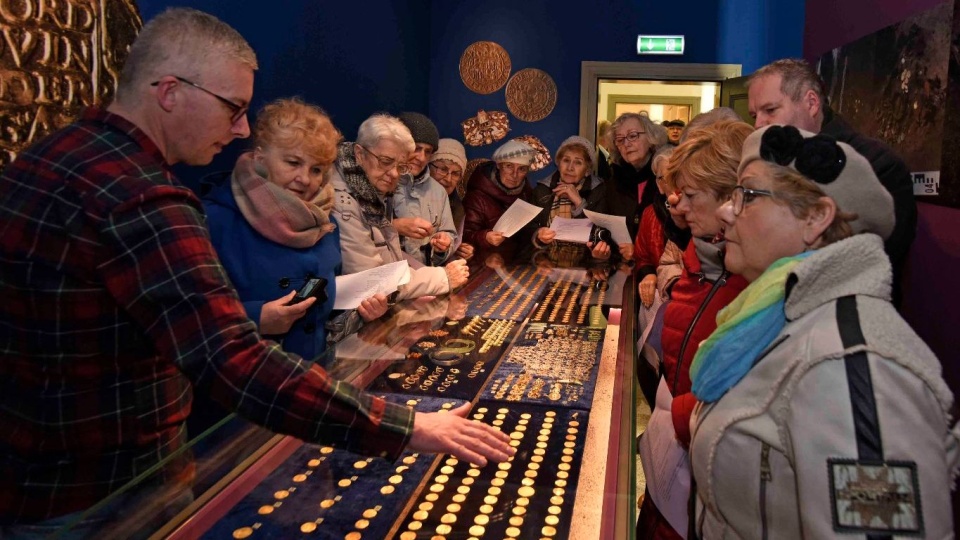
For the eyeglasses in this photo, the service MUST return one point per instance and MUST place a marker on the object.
(742, 196)
(237, 111)
(633, 136)
(443, 171)
(387, 163)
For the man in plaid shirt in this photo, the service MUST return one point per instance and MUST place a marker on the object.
(114, 302)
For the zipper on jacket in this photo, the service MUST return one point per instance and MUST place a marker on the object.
(766, 475)
(720, 282)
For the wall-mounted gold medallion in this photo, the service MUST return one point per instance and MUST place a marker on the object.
(484, 67)
(531, 94)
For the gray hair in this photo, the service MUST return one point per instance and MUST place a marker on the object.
(662, 154)
(656, 134)
(382, 126)
(713, 116)
(796, 77)
(181, 41)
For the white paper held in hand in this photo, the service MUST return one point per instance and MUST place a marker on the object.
(617, 225)
(354, 288)
(519, 214)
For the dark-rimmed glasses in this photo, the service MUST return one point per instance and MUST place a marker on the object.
(237, 111)
(742, 196)
(443, 171)
(633, 136)
(387, 163)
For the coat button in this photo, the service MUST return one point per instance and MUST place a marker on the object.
(284, 283)
(309, 328)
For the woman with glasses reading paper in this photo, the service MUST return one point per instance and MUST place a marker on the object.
(365, 175)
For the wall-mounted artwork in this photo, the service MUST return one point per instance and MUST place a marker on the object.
(55, 58)
(543, 155)
(485, 128)
(893, 85)
(531, 94)
(484, 67)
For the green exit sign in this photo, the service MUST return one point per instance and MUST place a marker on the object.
(659, 44)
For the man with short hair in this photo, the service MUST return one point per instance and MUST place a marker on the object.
(674, 130)
(790, 92)
(116, 306)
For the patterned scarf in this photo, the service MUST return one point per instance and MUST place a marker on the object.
(744, 329)
(562, 207)
(376, 208)
(276, 213)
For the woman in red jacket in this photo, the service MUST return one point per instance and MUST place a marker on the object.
(704, 171)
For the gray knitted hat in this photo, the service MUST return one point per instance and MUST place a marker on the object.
(576, 140)
(452, 150)
(835, 167)
(421, 127)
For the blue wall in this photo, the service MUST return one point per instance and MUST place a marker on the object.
(355, 58)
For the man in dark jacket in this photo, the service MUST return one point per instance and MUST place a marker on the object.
(789, 92)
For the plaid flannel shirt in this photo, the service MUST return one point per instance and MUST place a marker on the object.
(113, 303)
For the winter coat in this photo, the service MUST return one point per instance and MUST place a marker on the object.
(262, 270)
(841, 423)
(593, 194)
(624, 197)
(365, 245)
(425, 198)
(483, 205)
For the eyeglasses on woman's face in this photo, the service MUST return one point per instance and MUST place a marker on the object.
(743, 196)
(237, 111)
(632, 136)
(387, 163)
(442, 171)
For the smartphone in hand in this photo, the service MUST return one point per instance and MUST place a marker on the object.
(316, 286)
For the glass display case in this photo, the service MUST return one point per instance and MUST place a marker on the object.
(541, 352)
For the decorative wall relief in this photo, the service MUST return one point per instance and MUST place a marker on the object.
(55, 58)
(543, 155)
(531, 94)
(485, 128)
(484, 67)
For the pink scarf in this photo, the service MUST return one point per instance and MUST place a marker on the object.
(276, 213)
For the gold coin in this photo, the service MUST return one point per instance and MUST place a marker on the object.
(300, 478)
(571, 437)
(486, 509)
(242, 532)
(551, 520)
(265, 509)
(442, 479)
(505, 466)
(523, 501)
(573, 423)
(481, 519)
(522, 422)
(545, 431)
(563, 474)
(564, 466)
(473, 472)
(554, 510)
(446, 469)
(482, 409)
(407, 535)
(415, 526)
(432, 497)
(543, 438)
(345, 482)
(468, 481)
(463, 489)
(528, 481)
(516, 521)
(370, 513)
(308, 527)
(536, 459)
(452, 461)
(326, 450)
(539, 452)
(411, 402)
(496, 482)
(477, 530)
(361, 464)
(556, 500)
(353, 535)
(569, 444)
(327, 503)
(420, 515)
(448, 518)
(566, 459)
(525, 416)
(573, 431)
(426, 506)
(559, 491)
(436, 488)
(514, 443)
(459, 498)
(568, 451)
(513, 531)
(478, 416)
(516, 435)
(361, 524)
(444, 529)
(501, 416)
(503, 410)
(493, 490)
(454, 508)
(548, 531)
(526, 491)
(501, 474)
(533, 466)
(519, 510)
(497, 422)
(530, 474)
(560, 483)
(409, 460)
(541, 445)
(490, 499)
(551, 414)
(402, 468)
(313, 463)
(521, 429)
(386, 490)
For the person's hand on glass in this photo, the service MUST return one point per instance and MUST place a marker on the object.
(626, 250)
(494, 260)
(373, 308)
(648, 288)
(440, 242)
(545, 235)
(465, 251)
(452, 433)
(277, 317)
(457, 273)
(600, 250)
(495, 238)
(413, 227)
(457, 307)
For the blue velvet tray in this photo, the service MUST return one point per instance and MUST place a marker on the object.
(530, 496)
(552, 365)
(325, 493)
(507, 294)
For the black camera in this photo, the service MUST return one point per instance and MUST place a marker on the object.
(316, 286)
(599, 234)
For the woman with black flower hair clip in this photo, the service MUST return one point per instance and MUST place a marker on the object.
(821, 413)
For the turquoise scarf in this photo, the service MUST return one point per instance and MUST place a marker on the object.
(744, 329)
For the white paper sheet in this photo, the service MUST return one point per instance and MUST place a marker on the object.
(354, 288)
(572, 230)
(617, 225)
(519, 214)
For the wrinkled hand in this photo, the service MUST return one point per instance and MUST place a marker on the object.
(440, 242)
(626, 250)
(277, 317)
(648, 287)
(373, 308)
(414, 227)
(457, 307)
(451, 433)
(457, 273)
(494, 260)
(569, 192)
(465, 251)
(545, 235)
(495, 238)
(600, 250)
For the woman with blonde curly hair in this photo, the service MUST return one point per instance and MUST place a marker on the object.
(272, 228)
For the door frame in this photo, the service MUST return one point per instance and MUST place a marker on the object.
(592, 72)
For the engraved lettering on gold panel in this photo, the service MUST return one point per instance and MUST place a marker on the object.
(57, 56)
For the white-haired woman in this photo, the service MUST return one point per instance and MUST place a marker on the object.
(365, 175)
(635, 140)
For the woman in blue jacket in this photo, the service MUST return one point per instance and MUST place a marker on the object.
(272, 228)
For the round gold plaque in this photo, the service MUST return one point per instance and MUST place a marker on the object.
(484, 67)
(531, 94)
